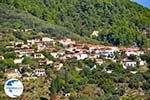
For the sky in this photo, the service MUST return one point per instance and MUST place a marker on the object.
(145, 3)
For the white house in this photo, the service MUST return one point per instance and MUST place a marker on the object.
(18, 43)
(46, 39)
(95, 33)
(136, 53)
(63, 57)
(24, 46)
(40, 47)
(18, 60)
(132, 51)
(23, 52)
(109, 71)
(129, 64)
(39, 72)
(141, 62)
(39, 56)
(80, 56)
(49, 62)
(33, 41)
(94, 56)
(58, 65)
(71, 49)
(99, 61)
(45, 62)
(67, 42)
(61, 52)
(55, 54)
(10, 47)
(133, 72)
(79, 49)
(1, 58)
(68, 56)
(107, 53)
(67, 94)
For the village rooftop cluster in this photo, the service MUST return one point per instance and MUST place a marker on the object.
(64, 49)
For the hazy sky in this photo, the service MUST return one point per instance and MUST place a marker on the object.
(145, 3)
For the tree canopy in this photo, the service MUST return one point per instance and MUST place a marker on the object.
(118, 22)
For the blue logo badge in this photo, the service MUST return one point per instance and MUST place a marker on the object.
(13, 88)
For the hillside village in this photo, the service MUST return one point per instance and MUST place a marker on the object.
(32, 59)
(66, 49)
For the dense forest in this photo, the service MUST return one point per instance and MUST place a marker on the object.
(118, 22)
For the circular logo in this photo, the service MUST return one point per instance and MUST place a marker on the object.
(13, 88)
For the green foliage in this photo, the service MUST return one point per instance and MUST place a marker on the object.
(89, 62)
(7, 63)
(2, 63)
(43, 98)
(132, 57)
(27, 60)
(56, 86)
(146, 86)
(48, 55)
(1, 88)
(116, 67)
(52, 88)
(17, 25)
(10, 55)
(133, 84)
(119, 92)
(10, 63)
(86, 72)
(22, 35)
(146, 57)
(114, 97)
(108, 85)
(1, 74)
(118, 22)
(66, 77)
(19, 19)
(2, 47)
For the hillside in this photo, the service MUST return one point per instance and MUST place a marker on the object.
(118, 22)
(12, 18)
